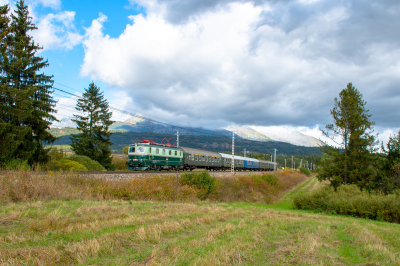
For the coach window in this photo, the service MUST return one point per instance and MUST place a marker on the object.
(163, 151)
(170, 152)
(149, 150)
(132, 150)
(140, 150)
(176, 153)
(157, 151)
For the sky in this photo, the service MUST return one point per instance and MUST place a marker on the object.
(216, 63)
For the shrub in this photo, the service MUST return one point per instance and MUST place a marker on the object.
(55, 154)
(271, 179)
(90, 164)
(119, 163)
(350, 200)
(125, 150)
(305, 171)
(64, 165)
(202, 181)
(16, 165)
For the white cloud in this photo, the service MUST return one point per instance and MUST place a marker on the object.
(54, 4)
(248, 63)
(57, 31)
(4, 2)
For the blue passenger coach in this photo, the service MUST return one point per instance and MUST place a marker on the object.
(251, 164)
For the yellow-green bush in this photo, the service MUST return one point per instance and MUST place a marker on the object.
(202, 181)
(305, 171)
(16, 164)
(64, 165)
(120, 163)
(350, 200)
(90, 164)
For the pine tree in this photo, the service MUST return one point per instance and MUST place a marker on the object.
(94, 141)
(27, 93)
(352, 162)
(14, 107)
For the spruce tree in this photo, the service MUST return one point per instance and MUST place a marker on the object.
(94, 139)
(352, 161)
(14, 105)
(27, 93)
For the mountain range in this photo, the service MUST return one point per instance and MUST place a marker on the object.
(254, 133)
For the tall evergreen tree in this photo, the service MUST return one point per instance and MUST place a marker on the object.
(24, 77)
(94, 141)
(14, 105)
(352, 162)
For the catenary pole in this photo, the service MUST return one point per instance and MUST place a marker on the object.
(177, 138)
(275, 158)
(233, 154)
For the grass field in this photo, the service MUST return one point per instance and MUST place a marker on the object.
(91, 232)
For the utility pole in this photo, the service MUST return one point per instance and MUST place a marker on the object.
(233, 154)
(177, 138)
(275, 158)
(271, 157)
(244, 152)
(301, 163)
(307, 165)
(292, 163)
(285, 163)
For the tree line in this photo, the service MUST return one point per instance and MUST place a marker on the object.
(28, 107)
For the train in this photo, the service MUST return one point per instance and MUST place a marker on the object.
(147, 155)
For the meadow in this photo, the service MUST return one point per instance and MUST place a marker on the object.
(64, 219)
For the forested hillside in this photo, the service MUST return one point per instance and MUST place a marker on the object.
(211, 143)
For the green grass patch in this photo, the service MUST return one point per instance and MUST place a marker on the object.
(86, 232)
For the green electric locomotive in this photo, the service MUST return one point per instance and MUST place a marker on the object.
(146, 156)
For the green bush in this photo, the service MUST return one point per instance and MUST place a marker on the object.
(64, 165)
(120, 163)
(202, 181)
(16, 165)
(125, 150)
(55, 154)
(350, 200)
(271, 179)
(90, 164)
(305, 171)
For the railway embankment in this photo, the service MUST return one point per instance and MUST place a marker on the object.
(128, 175)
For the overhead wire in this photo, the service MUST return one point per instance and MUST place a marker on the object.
(146, 118)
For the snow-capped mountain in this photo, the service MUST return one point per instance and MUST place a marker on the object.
(275, 133)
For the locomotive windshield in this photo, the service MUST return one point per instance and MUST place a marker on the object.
(136, 150)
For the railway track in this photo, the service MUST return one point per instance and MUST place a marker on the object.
(157, 172)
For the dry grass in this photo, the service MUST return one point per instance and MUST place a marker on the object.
(89, 231)
(152, 233)
(32, 186)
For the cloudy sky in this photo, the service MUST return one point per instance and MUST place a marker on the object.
(217, 63)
